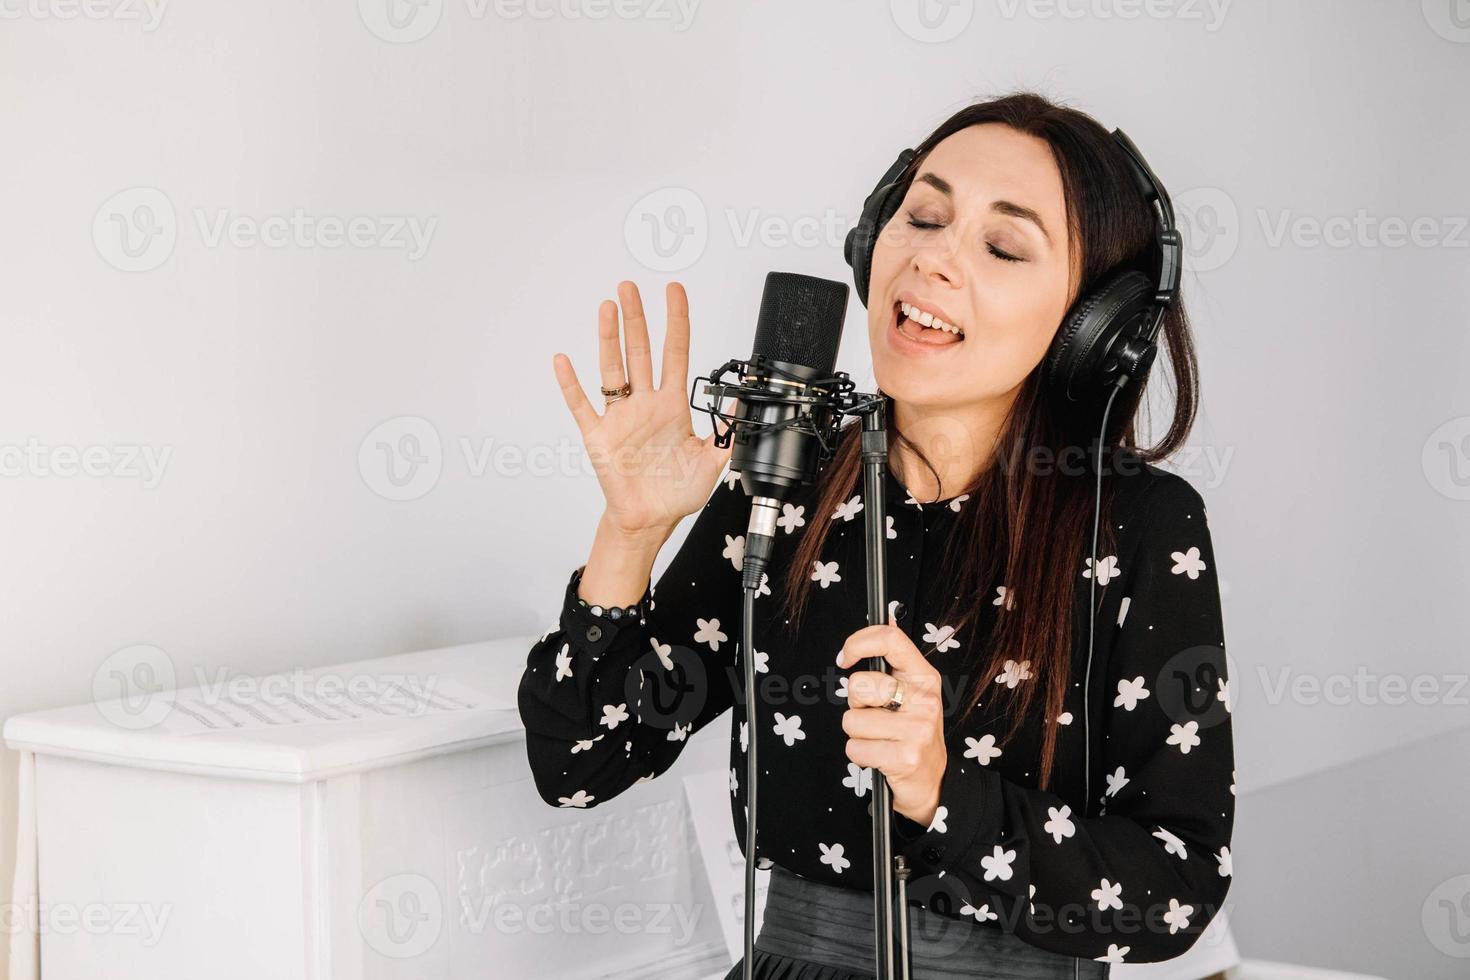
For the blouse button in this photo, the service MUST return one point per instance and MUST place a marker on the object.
(900, 609)
(594, 633)
(931, 854)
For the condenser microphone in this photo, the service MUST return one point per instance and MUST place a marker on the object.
(788, 401)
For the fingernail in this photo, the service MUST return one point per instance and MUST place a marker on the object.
(839, 657)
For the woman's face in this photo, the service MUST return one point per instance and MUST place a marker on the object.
(980, 241)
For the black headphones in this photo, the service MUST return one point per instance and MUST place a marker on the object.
(1107, 337)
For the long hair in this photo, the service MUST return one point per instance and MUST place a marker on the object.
(1028, 522)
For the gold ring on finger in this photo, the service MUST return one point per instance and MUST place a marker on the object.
(895, 700)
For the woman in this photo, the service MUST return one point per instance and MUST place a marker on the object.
(1014, 208)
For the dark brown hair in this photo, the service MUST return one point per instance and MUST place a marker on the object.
(1027, 522)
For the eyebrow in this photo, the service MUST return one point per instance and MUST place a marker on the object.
(1000, 207)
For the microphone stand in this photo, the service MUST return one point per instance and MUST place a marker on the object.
(890, 871)
(891, 947)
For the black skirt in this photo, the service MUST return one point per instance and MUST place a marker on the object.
(813, 931)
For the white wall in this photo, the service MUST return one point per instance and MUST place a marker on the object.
(525, 150)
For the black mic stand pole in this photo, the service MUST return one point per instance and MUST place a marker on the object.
(890, 944)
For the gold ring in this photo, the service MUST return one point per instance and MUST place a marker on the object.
(895, 701)
(610, 395)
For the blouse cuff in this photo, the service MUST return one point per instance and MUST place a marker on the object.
(594, 628)
(969, 812)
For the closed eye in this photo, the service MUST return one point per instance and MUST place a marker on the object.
(1003, 256)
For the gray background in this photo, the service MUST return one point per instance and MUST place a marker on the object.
(546, 151)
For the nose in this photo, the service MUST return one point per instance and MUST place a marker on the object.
(937, 261)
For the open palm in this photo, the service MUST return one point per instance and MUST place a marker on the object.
(652, 468)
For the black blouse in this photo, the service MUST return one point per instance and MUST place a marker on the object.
(609, 697)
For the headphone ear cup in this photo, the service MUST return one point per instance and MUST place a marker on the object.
(880, 206)
(1074, 367)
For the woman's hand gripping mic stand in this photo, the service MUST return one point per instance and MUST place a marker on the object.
(774, 397)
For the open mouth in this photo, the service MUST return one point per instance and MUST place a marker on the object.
(911, 323)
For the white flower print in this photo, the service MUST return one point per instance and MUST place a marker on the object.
(998, 864)
(564, 662)
(1106, 895)
(1130, 693)
(954, 504)
(888, 519)
(583, 744)
(1003, 597)
(1107, 569)
(789, 728)
(892, 608)
(578, 799)
(1065, 718)
(1031, 893)
(859, 779)
(1123, 608)
(1185, 736)
(613, 714)
(1177, 916)
(912, 499)
(1014, 673)
(734, 783)
(1172, 844)
(663, 650)
(849, 510)
(825, 573)
(1223, 859)
(1114, 954)
(744, 737)
(842, 687)
(1223, 694)
(764, 588)
(982, 914)
(709, 632)
(937, 824)
(1060, 825)
(791, 518)
(735, 550)
(941, 636)
(732, 479)
(832, 855)
(982, 750)
(1116, 781)
(1187, 563)
(680, 732)
(762, 662)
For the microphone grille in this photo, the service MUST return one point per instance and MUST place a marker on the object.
(801, 320)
